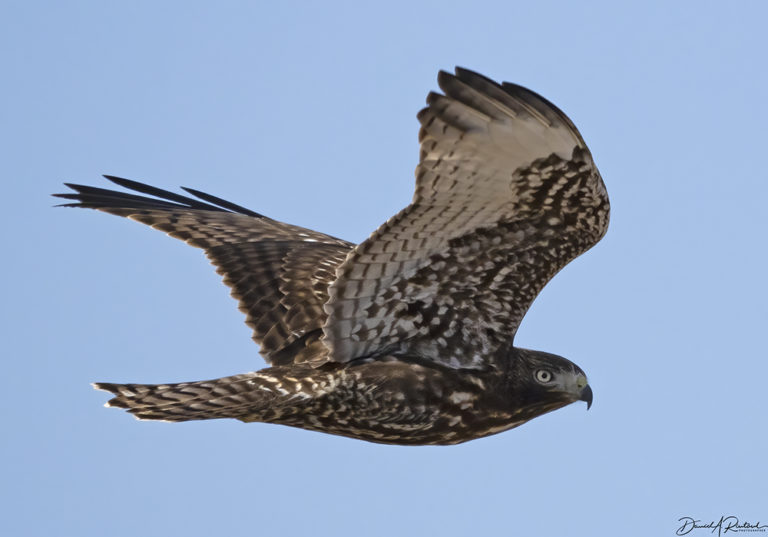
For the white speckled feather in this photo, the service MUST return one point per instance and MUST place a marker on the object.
(506, 195)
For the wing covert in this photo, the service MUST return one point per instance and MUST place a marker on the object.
(506, 195)
(279, 273)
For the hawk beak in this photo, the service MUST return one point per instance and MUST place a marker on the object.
(586, 395)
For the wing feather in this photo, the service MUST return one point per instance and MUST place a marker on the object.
(506, 195)
(279, 273)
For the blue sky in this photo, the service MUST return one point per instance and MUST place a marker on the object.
(306, 112)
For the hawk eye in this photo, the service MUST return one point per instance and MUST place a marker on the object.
(543, 375)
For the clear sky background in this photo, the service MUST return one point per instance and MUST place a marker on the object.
(306, 112)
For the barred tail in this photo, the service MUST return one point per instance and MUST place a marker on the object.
(229, 397)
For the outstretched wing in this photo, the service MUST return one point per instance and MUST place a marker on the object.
(279, 273)
(506, 195)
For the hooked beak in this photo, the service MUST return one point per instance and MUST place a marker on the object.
(586, 396)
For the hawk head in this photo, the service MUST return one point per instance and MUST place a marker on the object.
(543, 382)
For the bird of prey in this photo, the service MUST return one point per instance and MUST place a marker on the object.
(407, 337)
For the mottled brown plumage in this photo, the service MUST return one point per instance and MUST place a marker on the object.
(407, 337)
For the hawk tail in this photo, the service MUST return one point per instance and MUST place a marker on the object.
(237, 396)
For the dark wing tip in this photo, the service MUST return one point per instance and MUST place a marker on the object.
(154, 198)
(160, 193)
(542, 105)
(532, 100)
(433, 97)
(444, 78)
(222, 202)
(471, 77)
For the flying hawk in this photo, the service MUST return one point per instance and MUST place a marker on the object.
(407, 337)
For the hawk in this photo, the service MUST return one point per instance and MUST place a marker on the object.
(407, 337)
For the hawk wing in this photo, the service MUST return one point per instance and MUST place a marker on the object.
(279, 273)
(506, 195)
